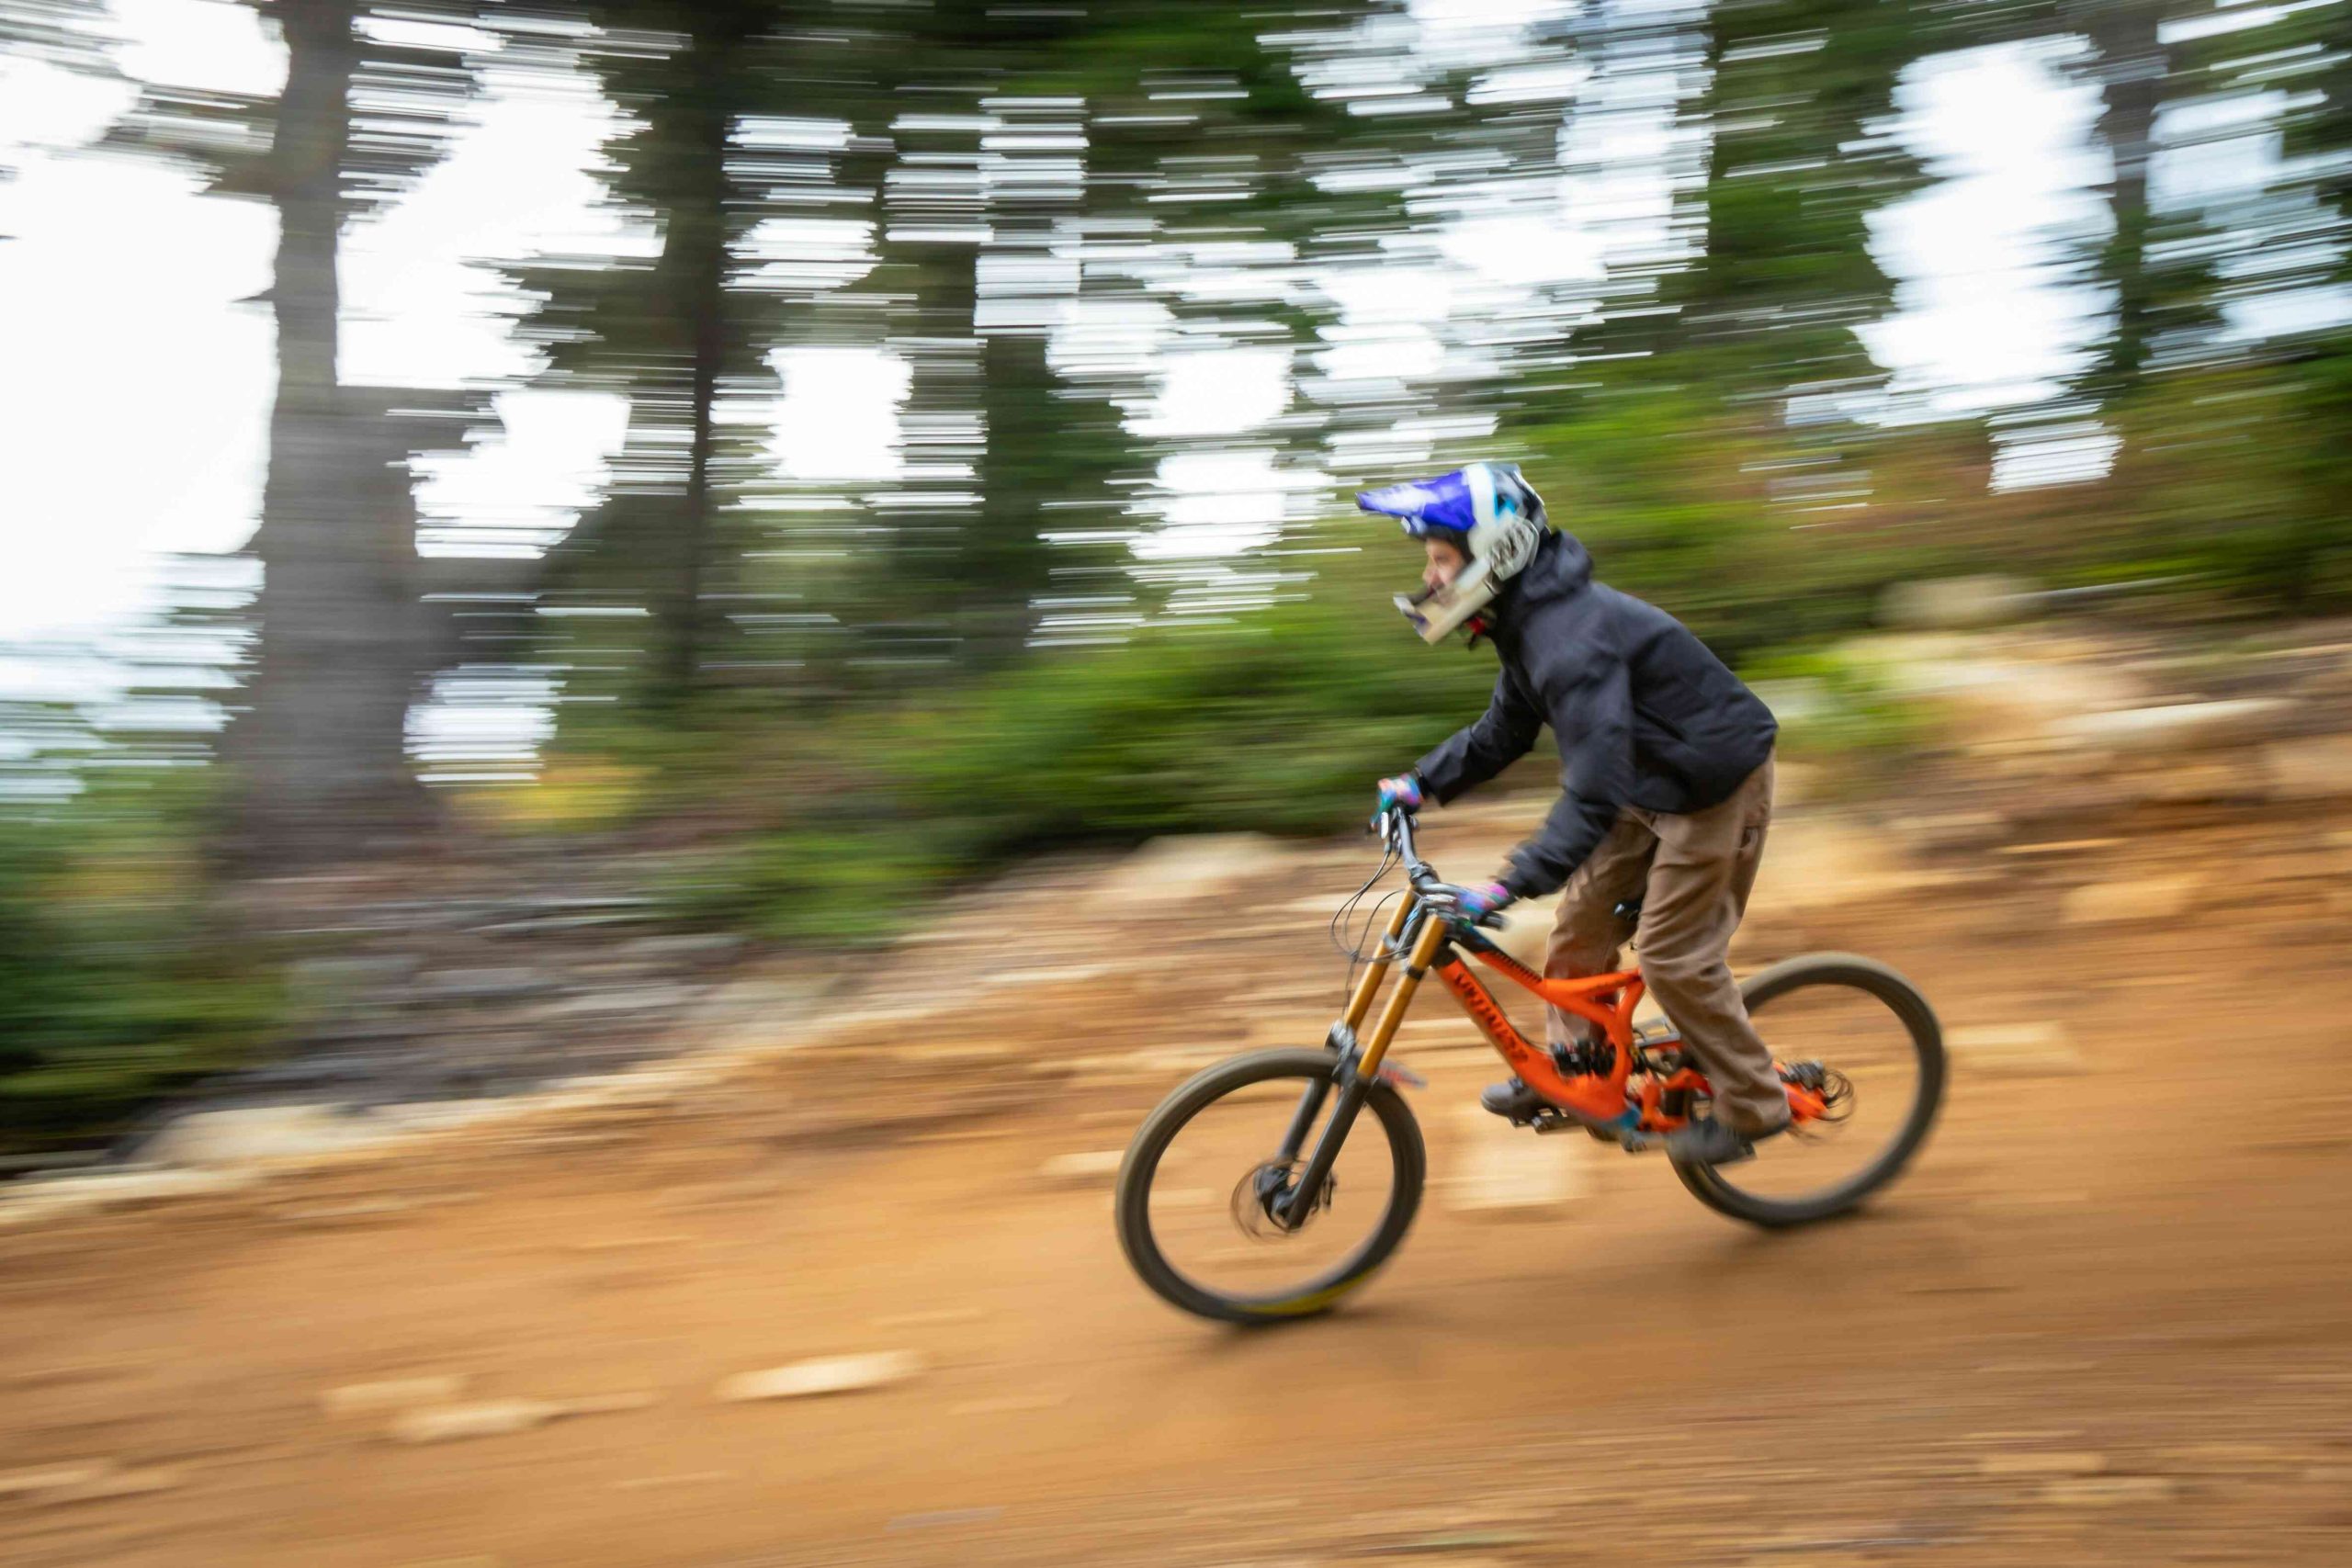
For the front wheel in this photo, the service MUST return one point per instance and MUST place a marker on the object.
(1871, 1038)
(1208, 1207)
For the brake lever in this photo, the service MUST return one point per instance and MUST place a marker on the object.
(1442, 896)
(1446, 899)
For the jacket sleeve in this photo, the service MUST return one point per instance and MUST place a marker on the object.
(1500, 737)
(1594, 722)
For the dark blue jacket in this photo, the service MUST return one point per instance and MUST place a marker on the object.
(1644, 714)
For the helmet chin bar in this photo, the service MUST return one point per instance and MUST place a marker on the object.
(1437, 613)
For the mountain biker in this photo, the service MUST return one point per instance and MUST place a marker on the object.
(1665, 771)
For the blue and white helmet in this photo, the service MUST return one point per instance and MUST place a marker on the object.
(1489, 513)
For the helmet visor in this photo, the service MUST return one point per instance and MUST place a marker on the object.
(1449, 502)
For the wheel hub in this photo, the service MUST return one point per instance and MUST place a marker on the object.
(1836, 1090)
(1262, 1209)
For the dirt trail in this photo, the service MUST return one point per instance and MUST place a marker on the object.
(2108, 1319)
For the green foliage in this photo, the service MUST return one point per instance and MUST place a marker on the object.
(1834, 704)
(111, 995)
(1276, 724)
(841, 883)
(1668, 486)
(2234, 481)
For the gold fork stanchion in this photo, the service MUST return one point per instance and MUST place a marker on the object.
(1374, 972)
(1425, 946)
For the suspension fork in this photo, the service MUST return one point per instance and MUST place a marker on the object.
(1291, 1209)
(1310, 1104)
(1374, 972)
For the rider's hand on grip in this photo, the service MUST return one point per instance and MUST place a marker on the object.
(1483, 905)
(1403, 790)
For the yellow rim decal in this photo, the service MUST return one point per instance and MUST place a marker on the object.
(1313, 1301)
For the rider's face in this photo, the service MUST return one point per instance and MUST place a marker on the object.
(1445, 563)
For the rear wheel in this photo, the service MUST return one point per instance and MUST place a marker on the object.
(1872, 1043)
(1206, 1197)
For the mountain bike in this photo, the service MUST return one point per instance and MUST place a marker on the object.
(1268, 1187)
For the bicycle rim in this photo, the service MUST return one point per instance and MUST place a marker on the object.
(1877, 1042)
(1201, 1197)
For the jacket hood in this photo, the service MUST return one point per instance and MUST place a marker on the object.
(1562, 566)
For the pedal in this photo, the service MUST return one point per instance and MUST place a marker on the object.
(1513, 1102)
(1625, 1137)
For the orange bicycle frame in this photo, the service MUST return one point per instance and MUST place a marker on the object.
(1607, 1000)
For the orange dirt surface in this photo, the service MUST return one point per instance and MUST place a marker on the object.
(2106, 1319)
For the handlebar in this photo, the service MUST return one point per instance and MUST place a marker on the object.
(1395, 826)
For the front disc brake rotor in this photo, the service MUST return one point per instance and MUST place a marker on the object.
(1255, 1194)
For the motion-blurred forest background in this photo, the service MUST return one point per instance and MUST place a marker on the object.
(1160, 283)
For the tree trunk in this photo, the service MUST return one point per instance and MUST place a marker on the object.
(653, 539)
(317, 755)
(2131, 73)
(925, 590)
(696, 259)
(1006, 559)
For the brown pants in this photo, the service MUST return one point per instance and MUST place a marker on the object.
(1693, 874)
